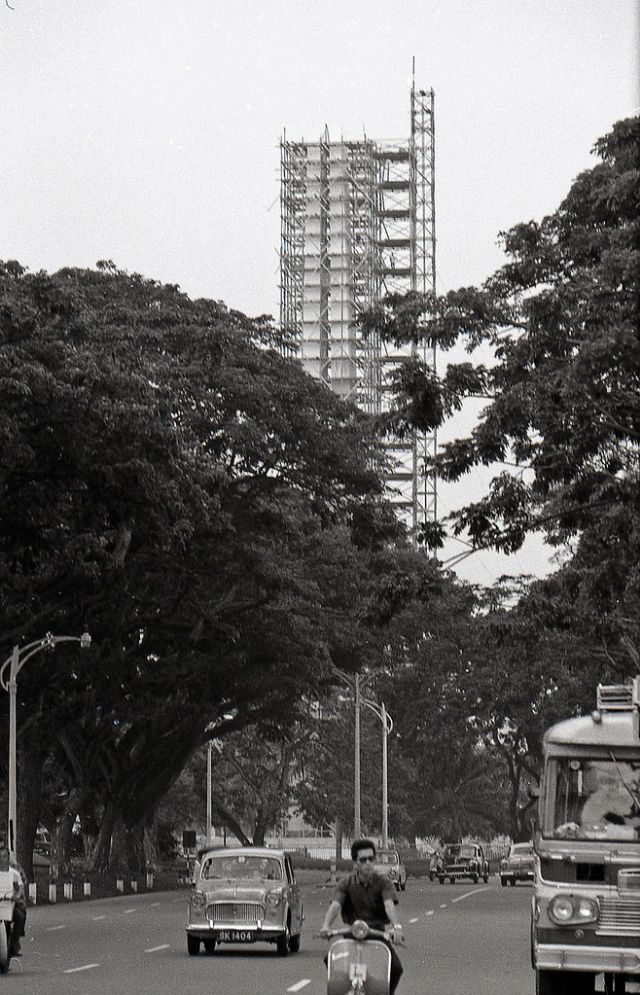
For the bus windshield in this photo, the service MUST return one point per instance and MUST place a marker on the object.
(593, 799)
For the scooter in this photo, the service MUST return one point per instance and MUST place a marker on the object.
(359, 961)
(7, 904)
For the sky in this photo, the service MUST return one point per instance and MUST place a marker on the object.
(147, 131)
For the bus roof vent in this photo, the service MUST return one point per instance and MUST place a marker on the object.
(617, 697)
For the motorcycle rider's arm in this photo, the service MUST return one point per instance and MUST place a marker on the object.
(391, 910)
(332, 912)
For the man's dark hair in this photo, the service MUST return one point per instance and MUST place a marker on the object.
(359, 845)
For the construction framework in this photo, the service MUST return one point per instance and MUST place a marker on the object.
(357, 224)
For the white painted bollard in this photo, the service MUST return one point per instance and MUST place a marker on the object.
(33, 892)
(87, 889)
(67, 889)
(149, 880)
(53, 893)
(134, 887)
(120, 885)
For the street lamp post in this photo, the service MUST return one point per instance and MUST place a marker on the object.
(387, 727)
(15, 663)
(357, 817)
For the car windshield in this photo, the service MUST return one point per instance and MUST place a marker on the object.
(386, 858)
(462, 851)
(521, 850)
(594, 799)
(242, 867)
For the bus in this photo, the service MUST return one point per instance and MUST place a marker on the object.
(585, 915)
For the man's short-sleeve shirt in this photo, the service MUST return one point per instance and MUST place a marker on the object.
(360, 900)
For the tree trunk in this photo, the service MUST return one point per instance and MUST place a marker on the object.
(339, 833)
(119, 860)
(29, 793)
(64, 834)
(101, 856)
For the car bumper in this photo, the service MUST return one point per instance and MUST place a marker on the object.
(208, 930)
(517, 875)
(614, 960)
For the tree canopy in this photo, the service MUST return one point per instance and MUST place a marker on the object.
(168, 481)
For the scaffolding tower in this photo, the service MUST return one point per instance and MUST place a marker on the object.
(357, 224)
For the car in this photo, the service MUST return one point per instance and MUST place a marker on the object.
(464, 860)
(519, 865)
(245, 895)
(389, 864)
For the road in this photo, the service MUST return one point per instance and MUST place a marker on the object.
(462, 939)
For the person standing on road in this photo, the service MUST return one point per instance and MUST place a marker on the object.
(369, 896)
(19, 899)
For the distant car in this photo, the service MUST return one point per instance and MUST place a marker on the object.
(464, 860)
(389, 865)
(245, 895)
(519, 865)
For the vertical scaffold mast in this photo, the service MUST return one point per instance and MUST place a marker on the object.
(358, 223)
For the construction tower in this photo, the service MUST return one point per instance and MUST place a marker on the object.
(358, 223)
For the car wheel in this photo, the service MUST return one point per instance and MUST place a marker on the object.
(193, 945)
(452, 880)
(486, 879)
(503, 882)
(564, 983)
(441, 880)
(294, 943)
(475, 878)
(283, 941)
(403, 886)
(512, 882)
(209, 946)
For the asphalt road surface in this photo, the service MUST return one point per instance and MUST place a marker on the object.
(461, 939)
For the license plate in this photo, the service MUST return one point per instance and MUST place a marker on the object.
(236, 936)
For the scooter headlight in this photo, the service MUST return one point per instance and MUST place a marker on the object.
(359, 930)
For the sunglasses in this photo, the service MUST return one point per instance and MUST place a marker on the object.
(366, 860)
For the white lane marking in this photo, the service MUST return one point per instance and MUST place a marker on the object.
(128, 912)
(443, 906)
(95, 918)
(152, 950)
(50, 929)
(413, 920)
(153, 905)
(468, 894)
(299, 985)
(430, 912)
(85, 967)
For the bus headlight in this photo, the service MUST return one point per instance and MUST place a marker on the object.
(569, 910)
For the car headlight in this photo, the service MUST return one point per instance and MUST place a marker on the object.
(274, 898)
(569, 910)
(198, 900)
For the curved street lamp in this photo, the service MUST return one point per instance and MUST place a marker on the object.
(357, 684)
(387, 727)
(15, 663)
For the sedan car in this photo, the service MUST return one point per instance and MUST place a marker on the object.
(519, 865)
(464, 860)
(245, 895)
(389, 865)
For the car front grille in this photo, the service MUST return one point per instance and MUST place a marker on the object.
(619, 916)
(243, 912)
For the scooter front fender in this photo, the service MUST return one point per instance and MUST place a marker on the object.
(370, 959)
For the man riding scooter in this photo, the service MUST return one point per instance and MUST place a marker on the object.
(20, 904)
(370, 897)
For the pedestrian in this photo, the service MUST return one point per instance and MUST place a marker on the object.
(366, 895)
